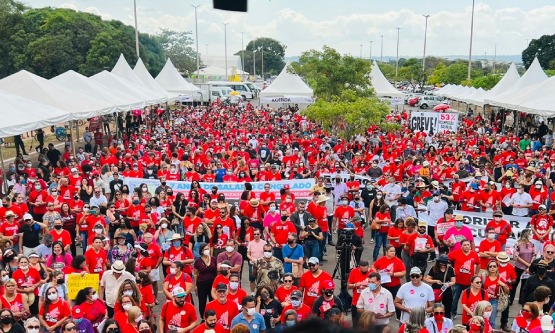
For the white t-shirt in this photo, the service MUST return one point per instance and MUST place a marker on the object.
(436, 211)
(414, 296)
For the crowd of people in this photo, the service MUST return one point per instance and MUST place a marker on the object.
(190, 251)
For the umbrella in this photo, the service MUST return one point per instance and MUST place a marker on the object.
(234, 93)
(442, 107)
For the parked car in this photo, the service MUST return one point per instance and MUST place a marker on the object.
(429, 101)
(413, 101)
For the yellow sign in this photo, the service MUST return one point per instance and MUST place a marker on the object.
(76, 282)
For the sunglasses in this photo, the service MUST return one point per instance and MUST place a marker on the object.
(415, 276)
(549, 252)
(257, 234)
(72, 328)
(311, 265)
(287, 281)
(492, 266)
(219, 228)
(478, 282)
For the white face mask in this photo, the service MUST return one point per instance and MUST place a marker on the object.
(33, 330)
(491, 236)
(5, 278)
(94, 297)
(233, 285)
(436, 199)
(173, 270)
(127, 306)
(229, 249)
(508, 185)
(53, 296)
(206, 252)
(128, 293)
(98, 231)
(295, 303)
(487, 314)
(138, 319)
(267, 254)
(251, 311)
(164, 225)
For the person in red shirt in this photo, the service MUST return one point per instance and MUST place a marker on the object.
(489, 248)
(54, 311)
(312, 281)
(343, 213)
(466, 264)
(96, 256)
(279, 233)
(28, 279)
(61, 235)
(283, 292)
(266, 197)
(358, 281)
(469, 199)
(9, 228)
(177, 315)
(235, 293)
(420, 245)
(489, 198)
(210, 323)
(136, 213)
(178, 252)
(225, 309)
(541, 225)
(37, 200)
(470, 297)
(393, 266)
(303, 310)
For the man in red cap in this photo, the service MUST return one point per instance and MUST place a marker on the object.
(327, 301)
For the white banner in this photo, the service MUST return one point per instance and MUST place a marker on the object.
(398, 100)
(478, 221)
(448, 122)
(288, 99)
(424, 122)
(232, 191)
(185, 98)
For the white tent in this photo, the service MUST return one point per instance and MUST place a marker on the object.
(536, 99)
(76, 104)
(443, 90)
(170, 79)
(84, 85)
(381, 85)
(148, 81)
(510, 77)
(464, 93)
(30, 115)
(123, 70)
(533, 75)
(477, 98)
(288, 86)
(120, 85)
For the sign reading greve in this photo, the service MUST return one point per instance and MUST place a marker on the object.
(76, 282)
(232, 191)
(433, 122)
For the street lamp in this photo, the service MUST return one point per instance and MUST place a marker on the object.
(425, 38)
(242, 55)
(136, 28)
(470, 48)
(371, 51)
(397, 62)
(381, 50)
(360, 51)
(262, 59)
(494, 57)
(254, 64)
(225, 46)
(196, 37)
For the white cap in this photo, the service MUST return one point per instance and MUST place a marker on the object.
(27, 217)
(547, 323)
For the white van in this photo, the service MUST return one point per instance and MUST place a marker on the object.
(241, 87)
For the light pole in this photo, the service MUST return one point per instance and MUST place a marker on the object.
(397, 62)
(225, 46)
(254, 64)
(470, 48)
(381, 50)
(262, 58)
(494, 57)
(371, 50)
(196, 37)
(425, 39)
(136, 28)
(242, 55)
(360, 51)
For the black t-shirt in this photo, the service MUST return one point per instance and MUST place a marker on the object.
(441, 276)
(318, 306)
(316, 231)
(31, 234)
(270, 310)
(16, 328)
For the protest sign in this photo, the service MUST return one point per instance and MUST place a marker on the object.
(231, 190)
(426, 122)
(76, 282)
(448, 122)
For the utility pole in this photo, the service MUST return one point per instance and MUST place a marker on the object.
(371, 51)
(360, 51)
(225, 46)
(397, 62)
(242, 55)
(136, 28)
(470, 48)
(196, 37)
(381, 50)
(494, 57)
(425, 39)
(262, 65)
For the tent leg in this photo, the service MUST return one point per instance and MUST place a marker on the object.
(72, 138)
(5, 181)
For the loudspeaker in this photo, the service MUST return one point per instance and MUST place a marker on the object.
(232, 5)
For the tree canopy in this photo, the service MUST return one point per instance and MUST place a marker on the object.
(544, 49)
(273, 52)
(178, 46)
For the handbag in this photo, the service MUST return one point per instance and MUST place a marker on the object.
(438, 293)
(375, 225)
(502, 300)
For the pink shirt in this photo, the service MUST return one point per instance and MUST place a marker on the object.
(459, 235)
(270, 219)
(256, 249)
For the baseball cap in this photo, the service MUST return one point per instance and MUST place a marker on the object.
(296, 294)
(27, 217)
(179, 292)
(286, 187)
(221, 287)
(546, 323)
(328, 284)
(313, 260)
(415, 270)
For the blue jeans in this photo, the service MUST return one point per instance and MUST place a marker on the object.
(457, 291)
(381, 242)
(84, 236)
(494, 304)
(312, 248)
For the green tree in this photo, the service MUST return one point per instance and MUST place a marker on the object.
(329, 73)
(542, 48)
(454, 73)
(273, 52)
(178, 46)
(486, 82)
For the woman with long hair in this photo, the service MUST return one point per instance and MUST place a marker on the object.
(94, 309)
(85, 190)
(121, 315)
(524, 255)
(410, 229)
(56, 279)
(527, 319)
(111, 326)
(69, 223)
(470, 297)
(145, 289)
(59, 258)
(267, 305)
(483, 309)
(243, 236)
(394, 235)
(121, 250)
(35, 262)
(54, 311)
(163, 234)
(441, 277)
(134, 316)
(130, 288)
(201, 235)
(14, 301)
(179, 208)
(375, 204)
(218, 241)
(383, 218)
(438, 322)
(477, 324)
(205, 271)
(493, 285)
(8, 323)
(416, 321)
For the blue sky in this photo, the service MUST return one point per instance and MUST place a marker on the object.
(344, 25)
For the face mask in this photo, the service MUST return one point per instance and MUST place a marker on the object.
(94, 297)
(24, 267)
(135, 202)
(328, 293)
(33, 330)
(150, 173)
(295, 303)
(6, 321)
(164, 225)
(541, 270)
(264, 296)
(98, 230)
(5, 278)
(538, 186)
(224, 272)
(507, 185)
(38, 187)
(251, 312)
(438, 317)
(491, 236)
(272, 209)
(233, 285)
(526, 315)
(58, 227)
(229, 249)
(60, 281)
(379, 196)
(138, 319)
(290, 323)
(126, 306)
(344, 202)
(288, 200)
(176, 243)
(173, 270)
(436, 199)
(284, 218)
(163, 183)
(475, 327)
(372, 286)
(53, 296)
(458, 224)
(128, 293)
(290, 241)
(206, 252)
(267, 254)
(487, 314)
(145, 331)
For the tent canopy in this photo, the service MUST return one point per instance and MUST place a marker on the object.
(170, 79)
(148, 81)
(76, 104)
(381, 85)
(30, 115)
(287, 84)
(118, 84)
(84, 85)
(123, 70)
(510, 77)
